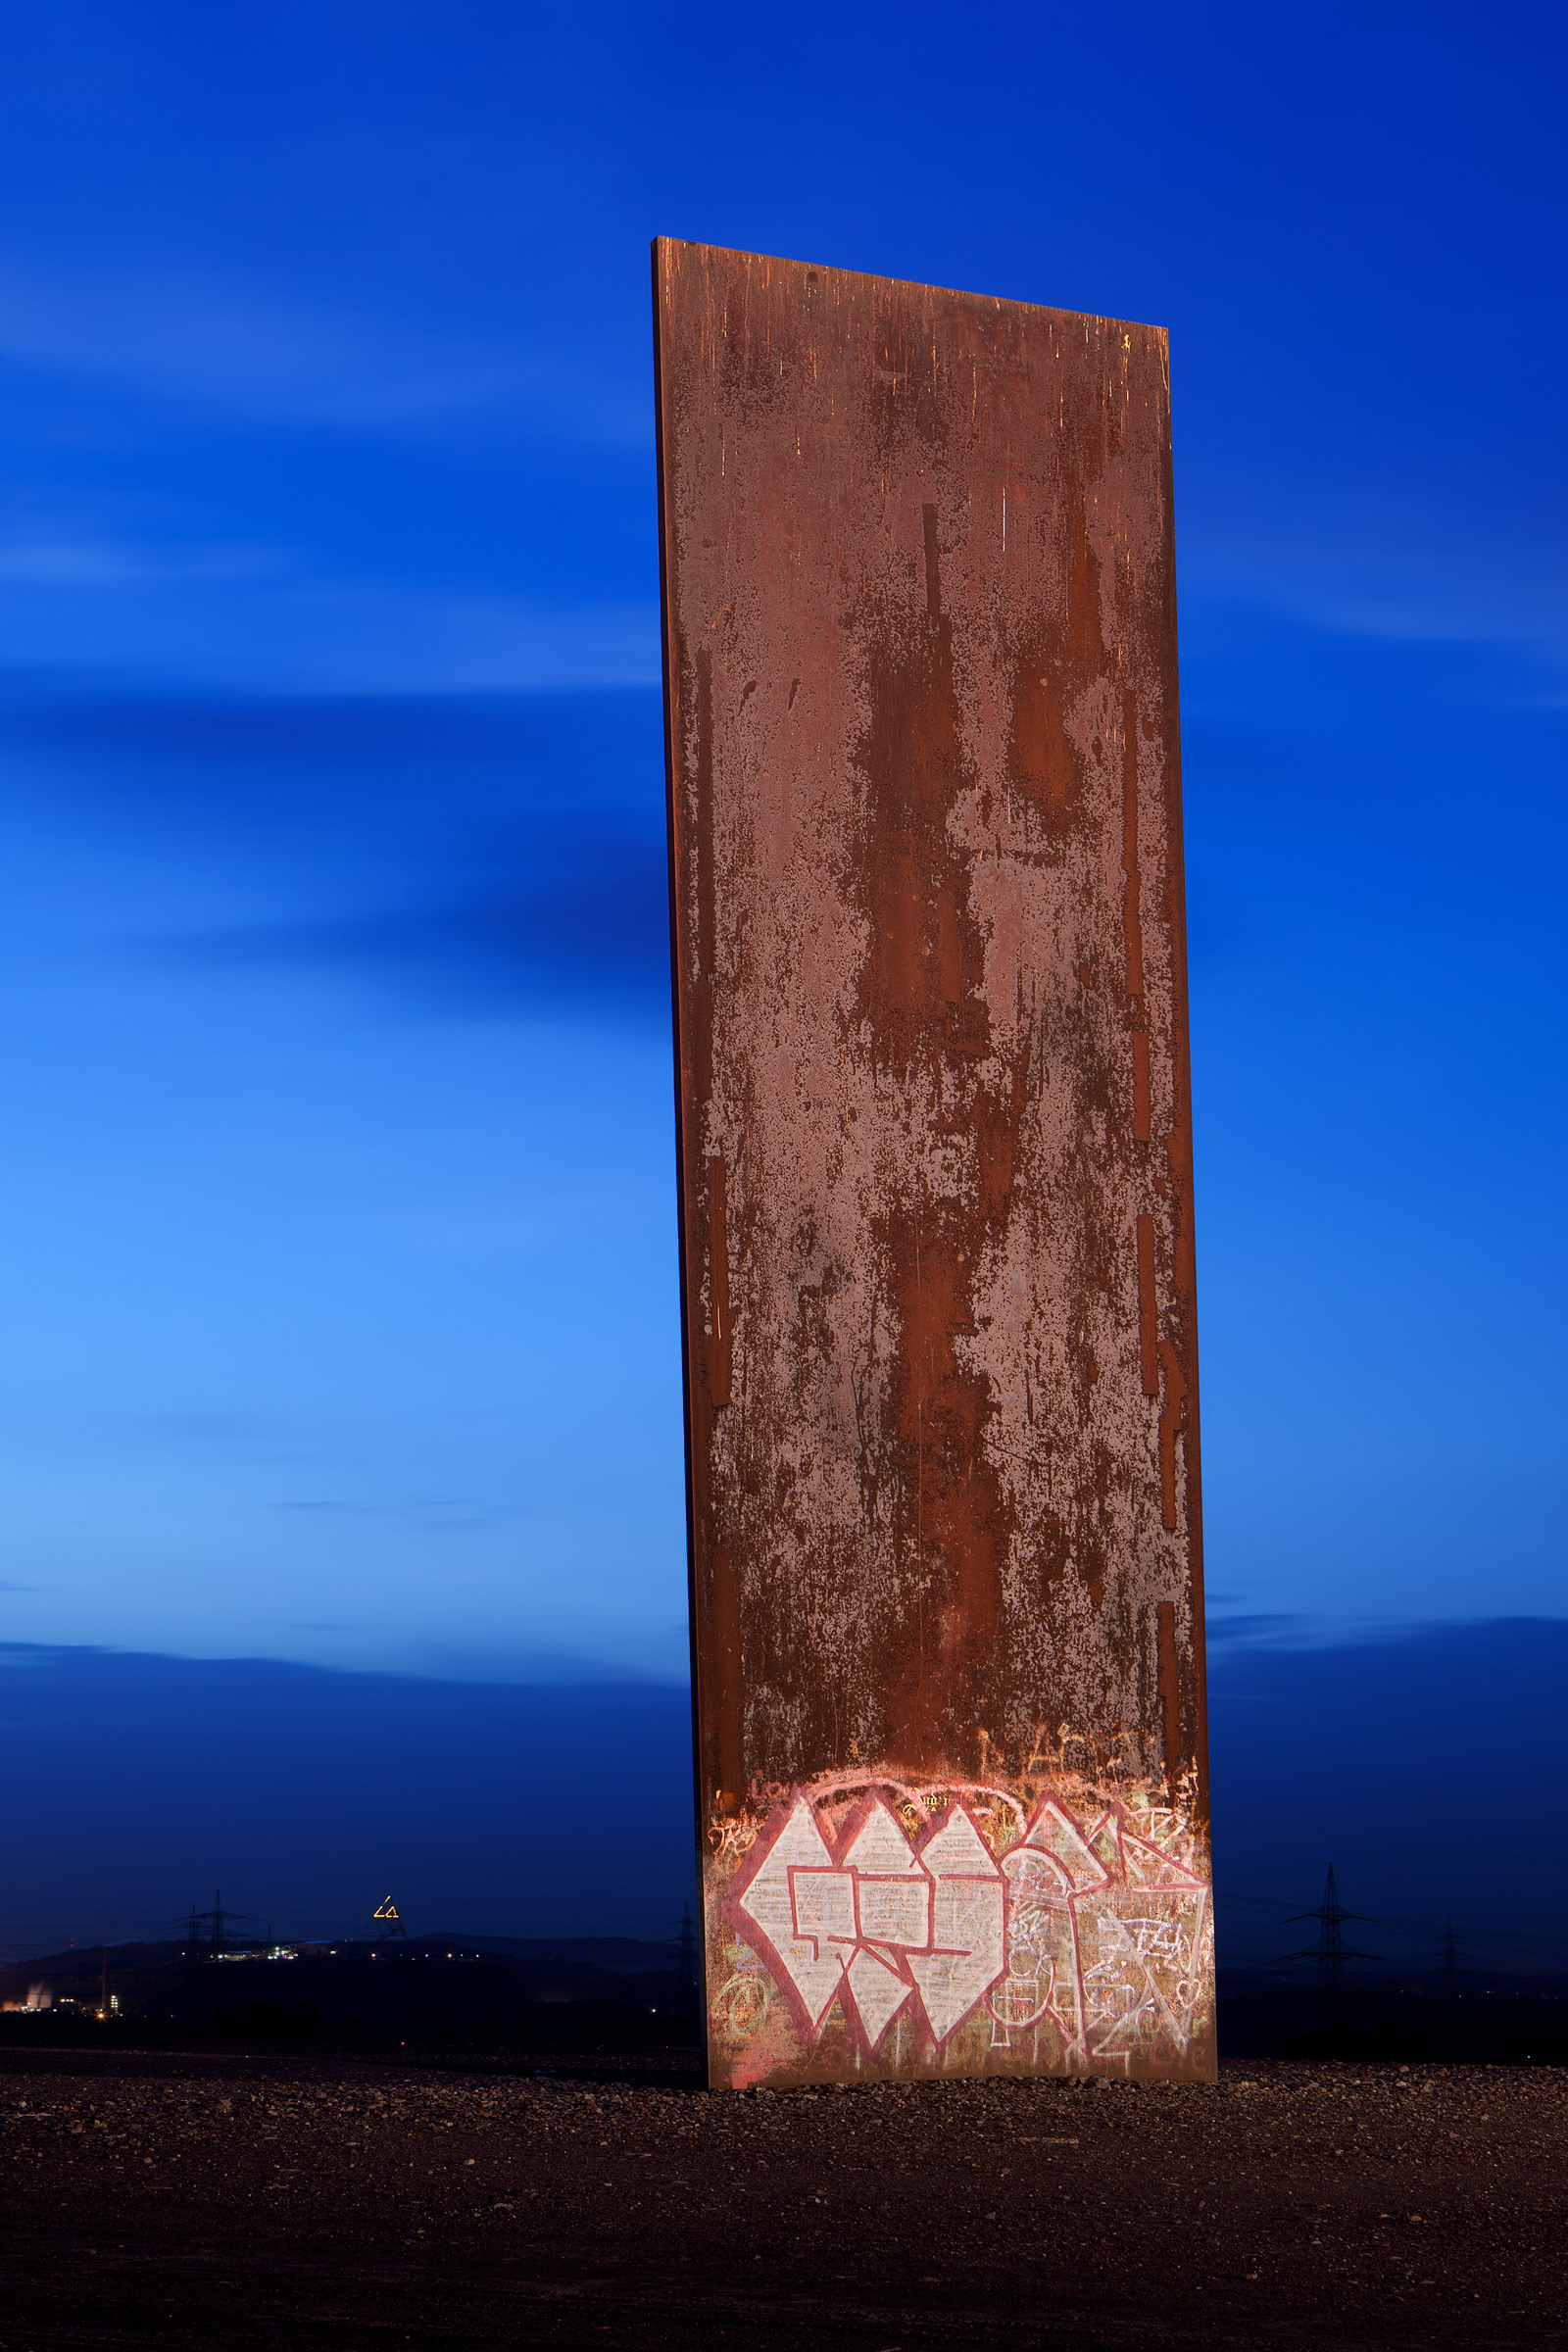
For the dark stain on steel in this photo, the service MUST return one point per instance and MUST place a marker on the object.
(718, 1326)
(934, 1127)
(1148, 1306)
(1171, 1418)
(725, 1678)
(1169, 1685)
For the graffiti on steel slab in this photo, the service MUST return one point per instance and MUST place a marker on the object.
(1084, 1912)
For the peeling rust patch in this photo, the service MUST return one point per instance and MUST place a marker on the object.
(934, 1126)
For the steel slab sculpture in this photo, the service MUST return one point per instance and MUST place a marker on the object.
(934, 1179)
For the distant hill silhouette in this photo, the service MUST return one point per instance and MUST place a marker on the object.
(145, 1783)
(1423, 1764)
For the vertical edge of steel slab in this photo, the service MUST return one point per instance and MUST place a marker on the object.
(665, 619)
(1182, 1060)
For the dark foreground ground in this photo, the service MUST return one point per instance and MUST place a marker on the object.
(158, 2200)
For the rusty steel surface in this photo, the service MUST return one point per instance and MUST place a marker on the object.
(934, 1179)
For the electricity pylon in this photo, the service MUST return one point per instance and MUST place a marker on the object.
(1332, 1951)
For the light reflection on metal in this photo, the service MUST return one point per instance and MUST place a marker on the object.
(935, 1178)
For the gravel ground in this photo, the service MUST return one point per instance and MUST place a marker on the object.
(201, 2202)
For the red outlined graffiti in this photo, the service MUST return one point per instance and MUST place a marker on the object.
(877, 1901)
(871, 1919)
(1107, 1936)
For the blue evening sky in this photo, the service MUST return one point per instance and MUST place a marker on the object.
(337, 1279)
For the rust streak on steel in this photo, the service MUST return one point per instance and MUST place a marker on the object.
(935, 1178)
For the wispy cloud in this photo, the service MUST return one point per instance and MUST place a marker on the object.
(393, 641)
(66, 561)
(217, 342)
(487, 855)
(1391, 590)
(589, 931)
(247, 618)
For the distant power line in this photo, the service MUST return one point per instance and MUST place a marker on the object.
(1504, 1938)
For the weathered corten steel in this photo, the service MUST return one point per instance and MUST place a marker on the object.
(935, 1178)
